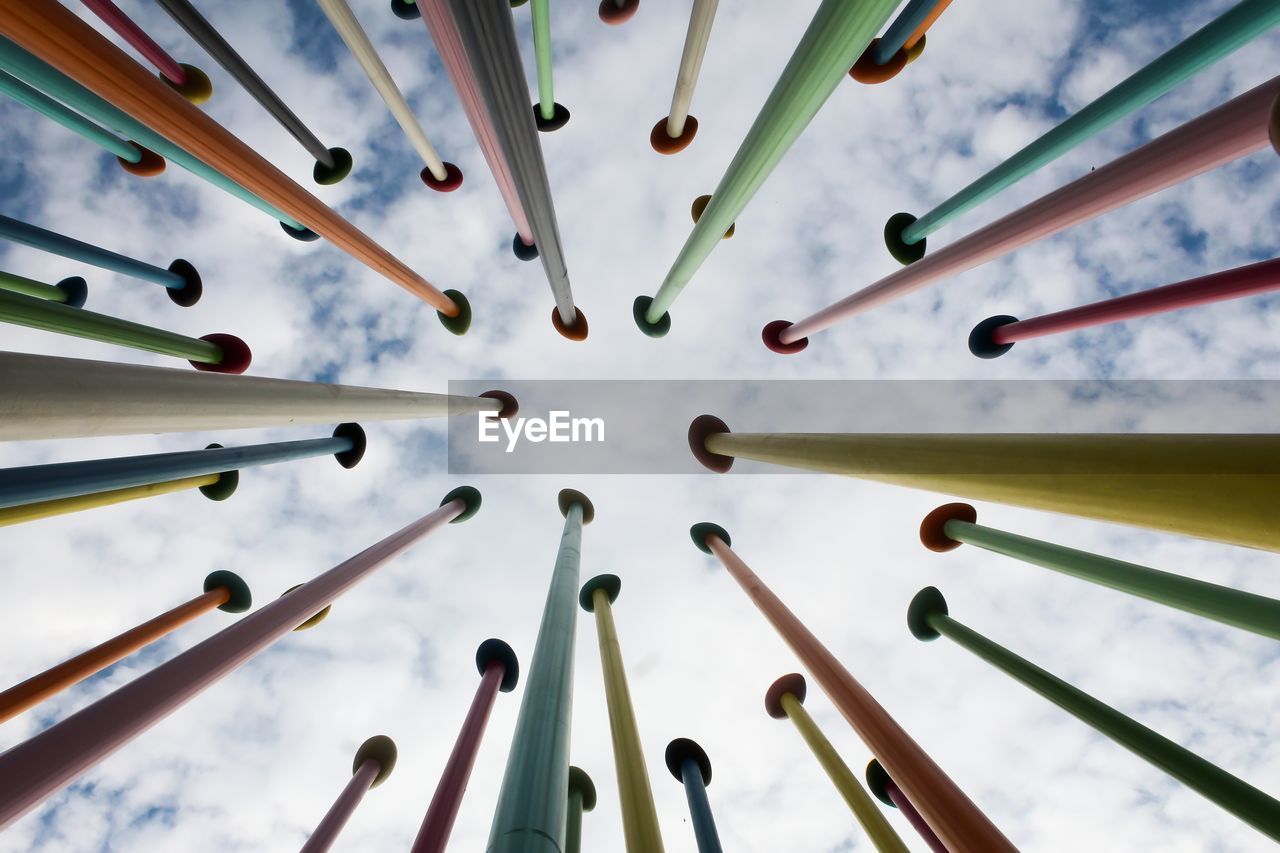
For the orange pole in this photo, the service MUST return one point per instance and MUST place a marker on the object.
(54, 33)
(926, 23)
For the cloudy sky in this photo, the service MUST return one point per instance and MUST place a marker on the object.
(254, 762)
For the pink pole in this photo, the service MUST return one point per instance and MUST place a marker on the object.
(1233, 130)
(444, 32)
(343, 807)
(52, 759)
(138, 40)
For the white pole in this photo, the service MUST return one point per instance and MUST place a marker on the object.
(695, 47)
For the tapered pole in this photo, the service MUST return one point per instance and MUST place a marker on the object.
(836, 36)
(891, 795)
(951, 814)
(52, 397)
(640, 829)
(373, 763)
(952, 525)
(692, 768)
(1234, 130)
(499, 670)
(887, 55)
(214, 486)
(995, 336)
(55, 35)
(72, 290)
(582, 798)
(190, 82)
(55, 757)
(928, 619)
(222, 591)
(1212, 486)
(915, 43)
(531, 812)
(676, 131)
(785, 700)
(540, 12)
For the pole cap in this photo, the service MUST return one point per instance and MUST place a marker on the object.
(613, 14)
(933, 533)
(239, 599)
(510, 405)
(302, 235)
(575, 331)
(452, 174)
(702, 428)
(865, 70)
(903, 252)
(236, 355)
(469, 495)
(579, 781)
(198, 87)
(699, 205)
(192, 287)
(611, 584)
(314, 620)
(381, 749)
(700, 531)
(771, 334)
(329, 175)
(522, 250)
(792, 683)
(496, 650)
(682, 748)
(226, 484)
(878, 783)
(559, 118)
(350, 458)
(76, 289)
(1273, 124)
(662, 143)
(149, 162)
(982, 341)
(657, 329)
(459, 323)
(568, 497)
(405, 10)
(926, 603)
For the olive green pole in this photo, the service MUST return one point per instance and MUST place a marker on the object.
(582, 798)
(70, 291)
(532, 804)
(639, 815)
(952, 525)
(928, 619)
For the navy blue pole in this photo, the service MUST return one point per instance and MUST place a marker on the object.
(689, 764)
(32, 483)
(895, 38)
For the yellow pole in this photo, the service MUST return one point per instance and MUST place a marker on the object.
(61, 506)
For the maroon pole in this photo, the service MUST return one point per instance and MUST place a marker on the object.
(888, 792)
(52, 759)
(500, 671)
(375, 759)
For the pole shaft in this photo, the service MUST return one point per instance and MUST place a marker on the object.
(913, 16)
(31, 287)
(326, 832)
(934, 14)
(903, 805)
(946, 808)
(43, 764)
(701, 18)
(141, 42)
(540, 12)
(70, 119)
(704, 822)
(62, 506)
(67, 247)
(573, 824)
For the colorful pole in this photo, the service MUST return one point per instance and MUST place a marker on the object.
(640, 828)
(58, 37)
(222, 590)
(439, 175)
(549, 115)
(51, 397)
(692, 768)
(499, 670)
(615, 12)
(32, 483)
(836, 36)
(133, 158)
(1218, 487)
(890, 53)
(374, 761)
(891, 795)
(1233, 130)
(216, 487)
(785, 700)
(52, 759)
(180, 279)
(958, 822)
(1222, 36)
(73, 291)
(676, 131)
(928, 619)
(582, 798)
(915, 44)
(995, 336)
(952, 525)
(186, 80)
(218, 353)
(531, 812)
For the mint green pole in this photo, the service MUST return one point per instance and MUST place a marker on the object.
(1220, 37)
(838, 34)
(928, 619)
(540, 11)
(532, 804)
(70, 291)
(70, 119)
(1257, 613)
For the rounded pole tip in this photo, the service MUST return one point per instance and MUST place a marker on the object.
(76, 289)
(575, 331)
(903, 252)
(700, 531)
(330, 175)
(197, 89)
(459, 323)
(682, 748)
(302, 235)
(702, 428)
(771, 334)
(470, 496)
(568, 497)
(149, 162)
(494, 649)
(982, 341)
(226, 484)
(639, 310)
(933, 534)
(350, 458)
(452, 174)
(559, 118)
(699, 205)
(927, 602)
(792, 683)
(239, 599)
(381, 749)
(236, 355)
(510, 406)
(522, 250)
(662, 143)
(192, 287)
(406, 10)
(914, 52)
(579, 781)
(314, 620)
(878, 783)
(866, 71)
(613, 14)
(611, 584)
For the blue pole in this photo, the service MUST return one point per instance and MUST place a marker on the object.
(33, 483)
(895, 38)
(704, 825)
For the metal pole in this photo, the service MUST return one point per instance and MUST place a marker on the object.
(63, 506)
(540, 12)
(52, 759)
(916, 14)
(692, 768)
(373, 763)
(891, 795)
(928, 619)
(582, 798)
(669, 134)
(72, 290)
(531, 813)
(785, 700)
(640, 828)
(499, 670)
(956, 819)
(190, 81)
(915, 43)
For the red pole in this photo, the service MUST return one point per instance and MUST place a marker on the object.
(951, 814)
(888, 792)
(52, 759)
(374, 762)
(500, 671)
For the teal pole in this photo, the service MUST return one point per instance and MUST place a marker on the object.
(532, 804)
(952, 525)
(71, 291)
(928, 619)
(1220, 37)
(838, 34)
